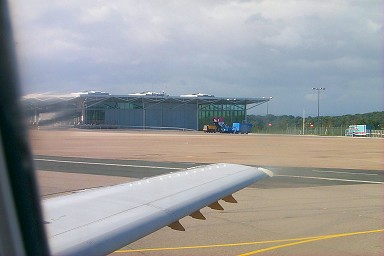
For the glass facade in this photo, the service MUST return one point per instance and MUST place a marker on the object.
(230, 113)
(95, 117)
(95, 112)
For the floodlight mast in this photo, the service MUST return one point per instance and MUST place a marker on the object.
(269, 98)
(318, 103)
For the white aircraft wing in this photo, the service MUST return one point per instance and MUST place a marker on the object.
(100, 221)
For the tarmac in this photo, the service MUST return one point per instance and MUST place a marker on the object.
(326, 197)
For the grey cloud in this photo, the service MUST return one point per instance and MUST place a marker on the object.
(243, 48)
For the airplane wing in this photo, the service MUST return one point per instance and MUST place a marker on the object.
(100, 221)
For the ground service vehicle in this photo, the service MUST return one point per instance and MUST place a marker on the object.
(210, 128)
(357, 130)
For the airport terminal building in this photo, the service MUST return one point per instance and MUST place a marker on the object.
(138, 110)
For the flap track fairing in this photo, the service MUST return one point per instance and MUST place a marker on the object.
(176, 226)
(216, 206)
(198, 215)
(230, 199)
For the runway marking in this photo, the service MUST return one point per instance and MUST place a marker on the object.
(351, 173)
(206, 246)
(322, 178)
(297, 241)
(309, 240)
(108, 164)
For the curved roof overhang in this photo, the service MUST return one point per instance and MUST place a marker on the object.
(42, 100)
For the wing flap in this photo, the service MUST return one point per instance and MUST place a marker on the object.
(99, 221)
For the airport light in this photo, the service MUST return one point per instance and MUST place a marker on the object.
(318, 103)
(269, 98)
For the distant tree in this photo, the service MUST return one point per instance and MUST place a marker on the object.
(374, 119)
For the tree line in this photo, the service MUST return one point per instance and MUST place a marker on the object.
(375, 120)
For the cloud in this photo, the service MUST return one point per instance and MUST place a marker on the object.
(279, 48)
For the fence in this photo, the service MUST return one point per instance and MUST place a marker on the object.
(377, 133)
(322, 131)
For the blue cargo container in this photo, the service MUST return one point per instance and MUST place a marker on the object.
(226, 129)
(241, 128)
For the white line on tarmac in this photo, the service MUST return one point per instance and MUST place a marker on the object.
(321, 178)
(351, 173)
(108, 164)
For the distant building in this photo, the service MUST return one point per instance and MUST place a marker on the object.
(136, 110)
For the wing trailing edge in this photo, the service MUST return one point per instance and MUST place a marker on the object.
(100, 221)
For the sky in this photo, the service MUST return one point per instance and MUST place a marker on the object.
(244, 49)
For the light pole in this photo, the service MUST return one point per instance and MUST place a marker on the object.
(318, 103)
(269, 98)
